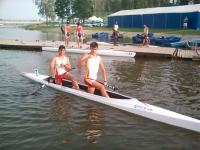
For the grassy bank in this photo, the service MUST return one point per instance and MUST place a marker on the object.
(53, 27)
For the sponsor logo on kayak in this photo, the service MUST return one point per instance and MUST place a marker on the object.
(139, 107)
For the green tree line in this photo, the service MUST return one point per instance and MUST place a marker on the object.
(66, 9)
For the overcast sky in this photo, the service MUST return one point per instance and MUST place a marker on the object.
(18, 10)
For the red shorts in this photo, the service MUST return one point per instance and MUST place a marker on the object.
(58, 78)
(89, 84)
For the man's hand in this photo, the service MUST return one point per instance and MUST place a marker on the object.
(67, 67)
(50, 79)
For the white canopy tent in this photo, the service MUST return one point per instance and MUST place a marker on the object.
(94, 18)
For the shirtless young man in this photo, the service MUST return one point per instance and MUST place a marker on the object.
(93, 62)
(67, 30)
(79, 33)
(145, 36)
(61, 65)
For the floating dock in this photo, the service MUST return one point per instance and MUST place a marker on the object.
(141, 51)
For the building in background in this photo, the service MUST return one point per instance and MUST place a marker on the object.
(159, 17)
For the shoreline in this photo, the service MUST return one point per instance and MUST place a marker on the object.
(150, 51)
(127, 32)
(141, 51)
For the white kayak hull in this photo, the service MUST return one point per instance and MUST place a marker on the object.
(114, 53)
(128, 104)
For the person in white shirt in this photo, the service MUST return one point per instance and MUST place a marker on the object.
(60, 66)
(92, 64)
(115, 33)
(185, 23)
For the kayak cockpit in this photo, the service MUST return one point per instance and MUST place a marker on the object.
(67, 83)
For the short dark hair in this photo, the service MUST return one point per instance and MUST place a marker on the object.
(94, 45)
(61, 47)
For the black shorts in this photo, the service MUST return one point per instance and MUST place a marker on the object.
(144, 36)
(68, 34)
(79, 34)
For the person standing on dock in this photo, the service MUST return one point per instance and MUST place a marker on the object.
(61, 65)
(79, 33)
(145, 36)
(185, 23)
(67, 30)
(93, 62)
(115, 33)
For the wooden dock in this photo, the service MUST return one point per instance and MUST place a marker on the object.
(141, 51)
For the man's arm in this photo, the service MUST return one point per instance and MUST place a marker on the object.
(83, 60)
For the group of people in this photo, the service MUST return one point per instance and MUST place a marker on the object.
(79, 34)
(145, 40)
(60, 64)
(60, 67)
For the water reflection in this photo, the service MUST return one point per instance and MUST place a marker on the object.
(167, 83)
(95, 124)
(61, 114)
(71, 121)
(60, 107)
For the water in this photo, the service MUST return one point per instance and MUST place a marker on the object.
(56, 120)
(11, 32)
(17, 33)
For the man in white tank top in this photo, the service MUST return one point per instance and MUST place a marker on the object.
(92, 63)
(115, 33)
(60, 65)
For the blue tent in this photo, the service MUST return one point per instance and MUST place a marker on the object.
(159, 17)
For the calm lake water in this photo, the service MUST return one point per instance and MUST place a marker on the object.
(17, 33)
(56, 120)
(14, 32)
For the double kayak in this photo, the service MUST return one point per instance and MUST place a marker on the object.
(113, 53)
(122, 102)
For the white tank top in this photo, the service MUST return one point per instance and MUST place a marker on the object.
(116, 27)
(92, 67)
(60, 70)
